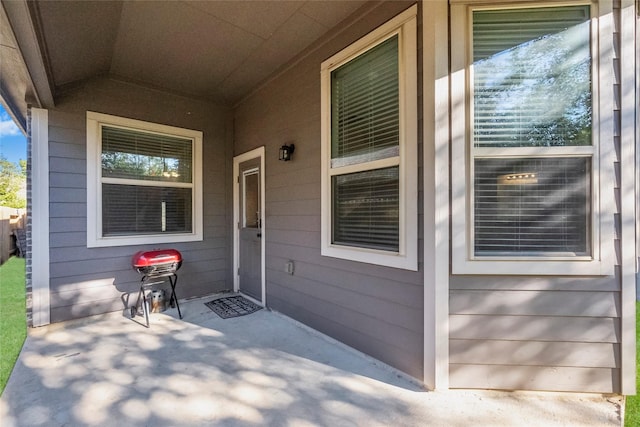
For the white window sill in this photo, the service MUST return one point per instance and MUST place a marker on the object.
(372, 256)
(142, 240)
(505, 266)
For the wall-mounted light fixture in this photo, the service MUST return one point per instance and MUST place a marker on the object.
(286, 151)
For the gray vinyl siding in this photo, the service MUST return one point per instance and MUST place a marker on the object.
(92, 281)
(544, 339)
(377, 310)
(539, 333)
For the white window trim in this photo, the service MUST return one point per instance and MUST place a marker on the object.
(94, 182)
(405, 26)
(463, 261)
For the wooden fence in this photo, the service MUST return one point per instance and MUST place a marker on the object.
(12, 226)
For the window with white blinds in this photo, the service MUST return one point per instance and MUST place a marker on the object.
(146, 180)
(134, 164)
(369, 115)
(532, 77)
(136, 210)
(365, 108)
(131, 154)
(366, 209)
(365, 116)
(532, 94)
(532, 206)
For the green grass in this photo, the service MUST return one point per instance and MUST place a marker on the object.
(13, 324)
(632, 406)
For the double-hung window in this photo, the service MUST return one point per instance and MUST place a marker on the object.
(143, 182)
(369, 147)
(526, 160)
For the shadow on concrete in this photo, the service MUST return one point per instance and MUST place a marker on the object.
(258, 370)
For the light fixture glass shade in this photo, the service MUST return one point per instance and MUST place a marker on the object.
(285, 152)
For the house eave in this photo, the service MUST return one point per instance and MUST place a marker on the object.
(25, 81)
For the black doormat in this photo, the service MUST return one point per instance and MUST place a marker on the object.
(235, 306)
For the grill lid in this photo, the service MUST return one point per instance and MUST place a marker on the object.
(158, 257)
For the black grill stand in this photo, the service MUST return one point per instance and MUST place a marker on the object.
(147, 282)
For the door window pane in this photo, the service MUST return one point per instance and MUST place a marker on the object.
(251, 203)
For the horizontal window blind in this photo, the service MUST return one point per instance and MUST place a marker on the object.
(143, 209)
(132, 154)
(532, 206)
(365, 106)
(138, 210)
(532, 77)
(366, 209)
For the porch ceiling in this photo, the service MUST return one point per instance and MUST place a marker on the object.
(218, 50)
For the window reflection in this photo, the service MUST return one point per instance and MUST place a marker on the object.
(532, 77)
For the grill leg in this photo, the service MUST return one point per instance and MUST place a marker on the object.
(145, 306)
(173, 280)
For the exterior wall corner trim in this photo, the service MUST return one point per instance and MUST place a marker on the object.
(628, 193)
(435, 69)
(40, 216)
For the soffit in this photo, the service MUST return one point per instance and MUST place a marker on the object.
(218, 50)
(14, 76)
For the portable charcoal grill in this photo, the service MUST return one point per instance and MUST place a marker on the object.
(156, 267)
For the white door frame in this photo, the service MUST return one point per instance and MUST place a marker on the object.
(237, 160)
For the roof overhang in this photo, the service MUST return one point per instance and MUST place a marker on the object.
(24, 79)
(216, 51)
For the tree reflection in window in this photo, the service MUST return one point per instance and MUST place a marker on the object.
(532, 77)
(131, 154)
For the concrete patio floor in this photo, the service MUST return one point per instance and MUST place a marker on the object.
(258, 370)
